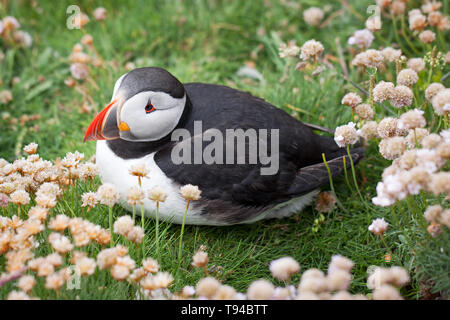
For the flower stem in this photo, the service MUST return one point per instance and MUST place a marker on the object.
(143, 228)
(157, 227)
(346, 175)
(353, 172)
(182, 230)
(110, 227)
(331, 182)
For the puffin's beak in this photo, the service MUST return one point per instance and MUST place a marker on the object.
(104, 126)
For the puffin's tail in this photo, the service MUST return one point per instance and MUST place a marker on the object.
(316, 175)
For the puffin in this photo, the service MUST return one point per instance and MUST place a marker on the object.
(155, 120)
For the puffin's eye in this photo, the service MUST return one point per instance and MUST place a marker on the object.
(149, 108)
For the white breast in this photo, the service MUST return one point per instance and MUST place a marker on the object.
(114, 169)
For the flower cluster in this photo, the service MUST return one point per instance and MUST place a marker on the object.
(12, 35)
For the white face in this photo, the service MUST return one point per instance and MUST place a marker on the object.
(150, 115)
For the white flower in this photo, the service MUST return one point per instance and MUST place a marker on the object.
(345, 135)
(311, 49)
(284, 268)
(361, 38)
(378, 226)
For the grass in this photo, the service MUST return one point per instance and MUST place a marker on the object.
(204, 41)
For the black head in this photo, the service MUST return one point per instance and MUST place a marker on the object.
(147, 105)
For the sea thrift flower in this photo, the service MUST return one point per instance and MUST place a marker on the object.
(20, 197)
(441, 102)
(345, 135)
(383, 3)
(45, 201)
(440, 183)
(434, 229)
(4, 200)
(390, 54)
(139, 170)
(416, 64)
(311, 49)
(150, 265)
(22, 39)
(398, 7)
(417, 21)
(383, 91)
(60, 243)
(119, 272)
(378, 226)
(412, 119)
(190, 192)
(89, 200)
(31, 148)
(70, 82)
(442, 150)
(402, 96)
(200, 259)
(260, 290)
(370, 58)
(444, 218)
(407, 77)
(100, 14)
(157, 194)
(10, 23)
(431, 141)
(432, 213)
(123, 225)
(50, 189)
(432, 90)
(427, 36)
(135, 196)
(386, 292)
(351, 99)
(85, 266)
(313, 16)
(82, 19)
(364, 111)
(79, 57)
(136, 235)
(431, 5)
(368, 130)
(313, 281)
(87, 40)
(188, 291)
(435, 18)
(339, 262)
(88, 170)
(79, 71)
(325, 202)
(108, 195)
(17, 295)
(225, 293)
(391, 148)
(5, 96)
(283, 268)
(361, 38)
(59, 223)
(289, 50)
(339, 280)
(26, 283)
(207, 287)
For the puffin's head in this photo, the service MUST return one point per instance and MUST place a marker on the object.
(147, 105)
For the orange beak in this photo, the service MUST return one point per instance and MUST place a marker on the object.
(104, 126)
